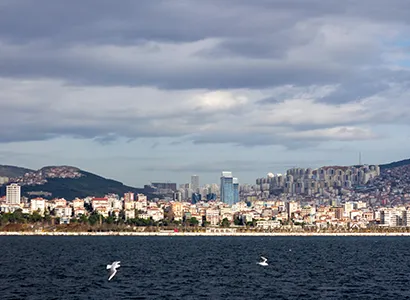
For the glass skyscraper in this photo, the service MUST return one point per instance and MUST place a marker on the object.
(235, 190)
(229, 188)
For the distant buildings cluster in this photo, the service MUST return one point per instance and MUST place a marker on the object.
(328, 197)
(323, 180)
(227, 191)
(40, 176)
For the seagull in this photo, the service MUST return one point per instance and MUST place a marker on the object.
(113, 269)
(263, 262)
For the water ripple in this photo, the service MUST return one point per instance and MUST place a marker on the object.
(205, 268)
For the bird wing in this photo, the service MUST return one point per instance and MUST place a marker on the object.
(112, 273)
(264, 258)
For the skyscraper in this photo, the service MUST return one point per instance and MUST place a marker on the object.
(235, 190)
(13, 194)
(227, 192)
(195, 183)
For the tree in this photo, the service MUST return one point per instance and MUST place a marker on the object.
(238, 221)
(18, 216)
(83, 219)
(251, 223)
(47, 217)
(35, 217)
(225, 223)
(193, 221)
(5, 218)
(109, 220)
(121, 217)
(94, 218)
(88, 207)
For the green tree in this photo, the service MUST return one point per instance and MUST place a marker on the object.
(225, 223)
(238, 221)
(35, 217)
(18, 216)
(5, 218)
(47, 218)
(94, 218)
(109, 220)
(193, 221)
(83, 219)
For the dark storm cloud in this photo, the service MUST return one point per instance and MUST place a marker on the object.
(260, 139)
(355, 91)
(127, 21)
(193, 44)
(81, 70)
(363, 85)
(272, 45)
(42, 124)
(254, 32)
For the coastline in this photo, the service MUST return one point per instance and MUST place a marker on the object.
(262, 234)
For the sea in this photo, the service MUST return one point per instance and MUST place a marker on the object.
(204, 267)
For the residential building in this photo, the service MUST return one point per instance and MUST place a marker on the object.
(39, 205)
(13, 194)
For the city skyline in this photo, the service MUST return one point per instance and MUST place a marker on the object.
(337, 199)
(153, 91)
(212, 178)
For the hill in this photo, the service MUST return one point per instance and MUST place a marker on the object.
(395, 164)
(13, 171)
(68, 182)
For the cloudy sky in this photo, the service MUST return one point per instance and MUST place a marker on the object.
(154, 90)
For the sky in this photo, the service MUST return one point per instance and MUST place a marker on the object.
(158, 90)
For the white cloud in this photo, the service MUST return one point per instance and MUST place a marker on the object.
(217, 101)
(340, 133)
(220, 116)
(289, 74)
(310, 112)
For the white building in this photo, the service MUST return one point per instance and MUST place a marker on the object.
(156, 213)
(13, 194)
(291, 207)
(63, 212)
(390, 217)
(268, 224)
(38, 204)
(3, 179)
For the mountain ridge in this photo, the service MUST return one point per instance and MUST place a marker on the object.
(13, 171)
(64, 182)
(395, 164)
(70, 182)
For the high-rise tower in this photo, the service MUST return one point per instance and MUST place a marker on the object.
(227, 190)
(195, 183)
(235, 190)
(13, 194)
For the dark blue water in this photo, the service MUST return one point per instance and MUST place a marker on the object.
(205, 268)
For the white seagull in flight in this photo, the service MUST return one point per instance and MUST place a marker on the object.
(263, 262)
(113, 269)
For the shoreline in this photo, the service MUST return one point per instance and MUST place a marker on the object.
(261, 234)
